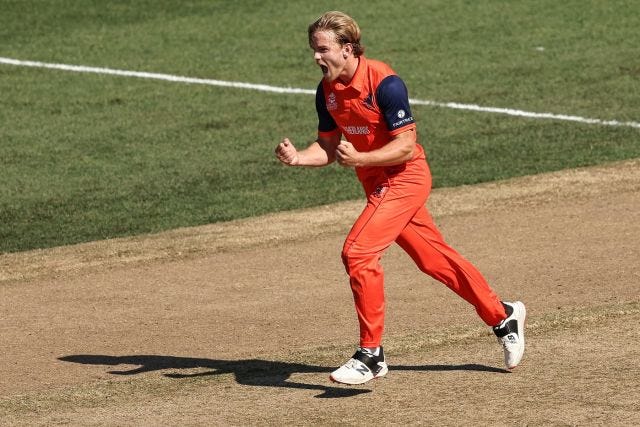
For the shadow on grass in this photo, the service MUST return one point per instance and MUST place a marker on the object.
(254, 372)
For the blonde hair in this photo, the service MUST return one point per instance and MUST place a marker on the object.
(344, 27)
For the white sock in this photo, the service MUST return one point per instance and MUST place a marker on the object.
(373, 351)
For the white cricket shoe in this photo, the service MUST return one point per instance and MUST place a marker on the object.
(510, 333)
(362, 367)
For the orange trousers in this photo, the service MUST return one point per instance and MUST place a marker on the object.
(396, 211)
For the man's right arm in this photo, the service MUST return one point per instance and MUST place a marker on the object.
(323, 150)
(319, 153)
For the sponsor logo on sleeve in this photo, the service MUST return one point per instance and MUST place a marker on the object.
(402, 115)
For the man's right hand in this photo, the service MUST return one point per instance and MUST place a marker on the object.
(287, 153)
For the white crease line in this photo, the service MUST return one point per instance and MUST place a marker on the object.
(276, 89)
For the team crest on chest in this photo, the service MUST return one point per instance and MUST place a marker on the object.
(368, 102)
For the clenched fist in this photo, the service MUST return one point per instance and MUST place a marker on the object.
(347, 155)
(286, 152)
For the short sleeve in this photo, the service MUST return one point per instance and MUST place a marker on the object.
(393, 100)
(326, 124)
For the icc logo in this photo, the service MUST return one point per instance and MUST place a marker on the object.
(401, 114)
(332, 104)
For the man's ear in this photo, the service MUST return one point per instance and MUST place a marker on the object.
(347, 49)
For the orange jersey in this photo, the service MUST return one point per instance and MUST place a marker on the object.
(369, 112)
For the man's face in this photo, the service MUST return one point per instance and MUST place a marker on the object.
(329, 55)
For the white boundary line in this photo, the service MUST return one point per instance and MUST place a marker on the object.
(290, 90)
(155, 76)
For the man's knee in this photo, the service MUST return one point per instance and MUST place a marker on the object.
(354, 260)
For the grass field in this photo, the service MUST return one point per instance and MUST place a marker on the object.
(232, 323)
(87, 157)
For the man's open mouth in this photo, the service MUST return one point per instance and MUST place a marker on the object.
(324, 69)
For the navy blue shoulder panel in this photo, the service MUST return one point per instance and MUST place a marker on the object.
(325, 121)
(393, 100)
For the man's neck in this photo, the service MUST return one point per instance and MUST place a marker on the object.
(350, 70)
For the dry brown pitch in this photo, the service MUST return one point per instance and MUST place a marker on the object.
(240, 323)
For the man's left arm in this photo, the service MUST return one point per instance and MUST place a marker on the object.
(397, 151)
(392, 98)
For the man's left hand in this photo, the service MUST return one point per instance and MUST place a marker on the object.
(347, 155)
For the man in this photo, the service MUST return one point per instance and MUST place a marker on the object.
(367, 103)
